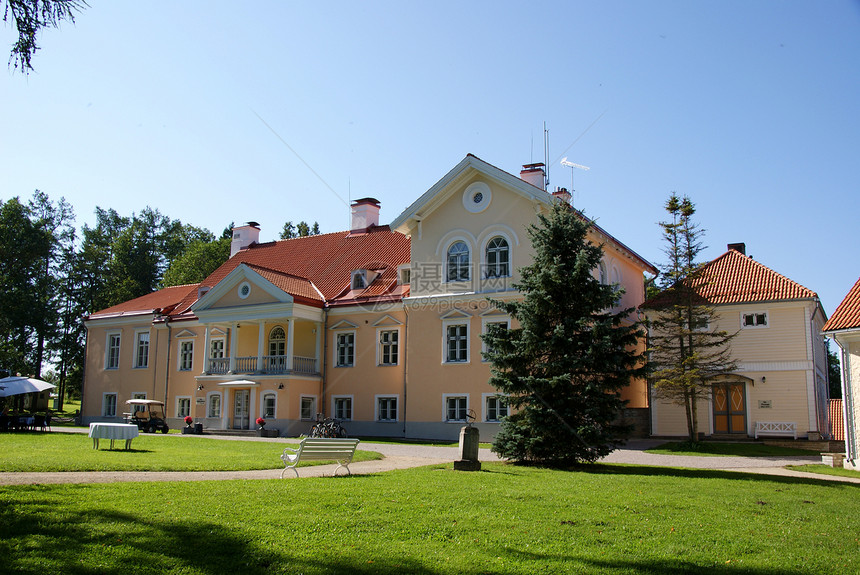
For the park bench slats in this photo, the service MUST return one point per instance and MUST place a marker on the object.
(320, 449)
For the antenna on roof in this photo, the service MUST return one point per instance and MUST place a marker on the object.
(546, 156)
(571, 165)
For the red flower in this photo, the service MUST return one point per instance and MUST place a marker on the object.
(189, 420)
(261, 421)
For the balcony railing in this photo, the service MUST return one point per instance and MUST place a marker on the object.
(271, 364)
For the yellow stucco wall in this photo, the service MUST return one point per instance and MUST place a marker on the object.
(781, 354)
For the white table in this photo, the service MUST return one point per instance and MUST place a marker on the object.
(112, 431)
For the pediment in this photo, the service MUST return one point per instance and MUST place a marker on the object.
(455, 314)
(343, 324)
(387, 321)
(242, 287)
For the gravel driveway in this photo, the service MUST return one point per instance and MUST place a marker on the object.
(403, 456)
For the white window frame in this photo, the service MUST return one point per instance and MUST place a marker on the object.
(107, 399)
(466, 321)
(485, 401)
(209, 397)
(109, 347)
(185, 354)
(141, 361)
(223, 349)
(380, 346)
(486, 257)
(336, 347)
(485, 321)
(274, 344)
(138, 395)
(377, 399)
(468, 265)
(179, 410)
(755, 315)
(445, 398)
(313, 413)
(336, 399)
(263, 397)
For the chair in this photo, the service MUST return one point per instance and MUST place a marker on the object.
(38, 423)
(46, 425)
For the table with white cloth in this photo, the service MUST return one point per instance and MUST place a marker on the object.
(112, 431)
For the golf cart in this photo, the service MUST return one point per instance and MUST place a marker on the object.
(148, 415)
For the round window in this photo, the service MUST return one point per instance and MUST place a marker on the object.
(476, 197)
(244, 290)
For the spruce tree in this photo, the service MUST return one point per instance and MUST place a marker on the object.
(563, 366)
(687, 352)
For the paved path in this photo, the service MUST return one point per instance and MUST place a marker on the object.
(403, 456)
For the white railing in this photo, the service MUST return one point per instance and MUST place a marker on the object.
(304, 364)
(273, 364)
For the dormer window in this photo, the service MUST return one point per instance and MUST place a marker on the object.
(362, 278)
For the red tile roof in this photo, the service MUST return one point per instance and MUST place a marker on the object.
(318, 268)
(736, 278)
(847, 314)
(315, 270)
(161, 301)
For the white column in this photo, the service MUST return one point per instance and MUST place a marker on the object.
(234, 346)
(261, 343)
(206, 347)
(318, 345)
(290, 327)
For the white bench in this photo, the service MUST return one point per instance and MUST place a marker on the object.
(320, 449)
(776, 428)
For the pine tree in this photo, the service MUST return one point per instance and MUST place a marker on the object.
(686, 352)
(562, 369)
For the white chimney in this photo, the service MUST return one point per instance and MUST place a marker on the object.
(244, 236)
(535, 174)
(562, 194)
(365, 213)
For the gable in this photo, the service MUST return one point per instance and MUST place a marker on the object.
(242, 287)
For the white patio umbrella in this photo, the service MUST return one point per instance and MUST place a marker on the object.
(17, 385)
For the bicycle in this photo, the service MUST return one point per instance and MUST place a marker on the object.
(328, 427)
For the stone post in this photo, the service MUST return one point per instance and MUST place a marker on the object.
(469, 442)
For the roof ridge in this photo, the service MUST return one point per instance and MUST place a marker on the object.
(754, 261)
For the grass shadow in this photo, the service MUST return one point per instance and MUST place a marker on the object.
(686, 472)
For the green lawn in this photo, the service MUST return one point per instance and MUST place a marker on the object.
(504, 519)
(825, 470)
(150, 452)
(717, 449)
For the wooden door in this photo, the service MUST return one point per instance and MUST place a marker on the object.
(730, 412)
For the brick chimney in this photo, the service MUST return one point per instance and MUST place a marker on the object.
(244, 236)
(562, 194)
(535, 174)
(739, 247)
(365, 214)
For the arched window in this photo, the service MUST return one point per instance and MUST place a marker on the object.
(277, 341)
(269, 400)
(601, 271)
(498, 258)
(458, 262)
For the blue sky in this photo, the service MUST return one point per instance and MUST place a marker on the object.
(215, 112)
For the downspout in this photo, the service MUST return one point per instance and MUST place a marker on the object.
(848, 408)
(818, 418)
(405, 361)
(324, 359)
(167, 366)
(84, 372)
